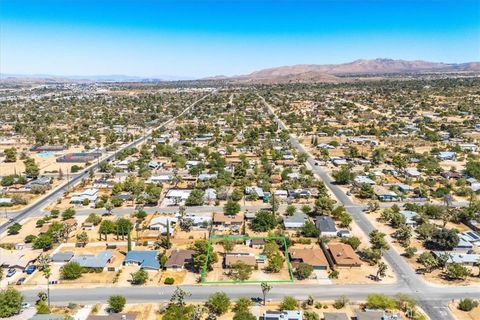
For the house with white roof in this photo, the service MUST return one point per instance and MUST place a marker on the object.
(160, 224)
(90, 194)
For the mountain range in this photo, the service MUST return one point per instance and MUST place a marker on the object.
(331, 72)
(294, 73)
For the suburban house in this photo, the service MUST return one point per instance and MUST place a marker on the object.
(177, 196)
(343, 255)
(255, 243)
(314, 257)
(160, 224)
(162, 178)
(409, 217)
(383, 194)
(257, 190)
(360, 180)
(451, 174)
(219, 218)
(98, 261)
(178, 259)
(282, 194)
(210, 194)
(247, 258)
(412, 173)
(297, 220)
(207, 176)
(446, 155)
(19, 260)
(145, 259)
(283, 315)
(326, 226)
(89, 194)
(470, 236)
(467, 259)
(198, 220)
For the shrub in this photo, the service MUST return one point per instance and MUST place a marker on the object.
(218, 303)
(71, 271)
(310, 315)
(169, 281)
(340, 302)
(467, 304)
(303, 271)
(116, 303)
(289, 303)
(380, 301)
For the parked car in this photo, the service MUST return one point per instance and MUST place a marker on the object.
(25, 305)
(21, 281)
(30, 269)
(11, 272)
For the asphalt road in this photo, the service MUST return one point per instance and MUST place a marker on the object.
(431, 298)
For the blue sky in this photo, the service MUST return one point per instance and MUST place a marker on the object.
(204, 38)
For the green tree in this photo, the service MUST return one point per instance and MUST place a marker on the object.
(68, 213)
(195, 198)
(231, 207)
(31, 168)
(303, 271)
(344, 175)
(94, 219)
(139, 277)
(14, 228)
(289, 303)
(443, 239)
(240, 271)
(427, 260)
(366, 191)
(10, 302)
(290, 210)
(472, 168)
(380, 301)
(10, 154)
(265, 290)
(275, 263)
(467, 304)
(116, 303)
(218, 303)
(264, 221)
(354, 242)
(244, 315)
(242, 304)
(82, 238)
(381, 270)
(456, 271)
(310, 230)
(43, 241)
(71, 270)
(377, 240)
(310, 315)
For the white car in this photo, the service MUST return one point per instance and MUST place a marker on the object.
(26, 305)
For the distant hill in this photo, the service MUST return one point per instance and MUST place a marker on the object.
(330, 72)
